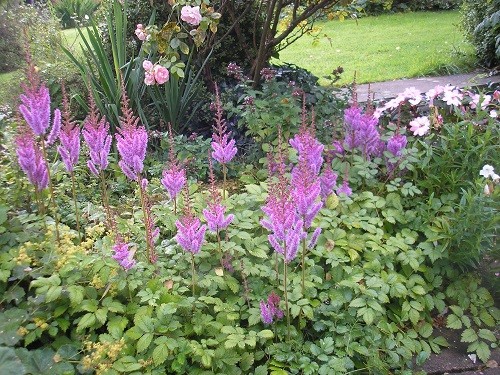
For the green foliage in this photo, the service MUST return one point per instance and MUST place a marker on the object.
(104, 76)
(481, 24)
(73, 13)
(378, 6)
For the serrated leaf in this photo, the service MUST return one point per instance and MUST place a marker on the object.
(75, 293)
(368, 316)
(453, 321)
(486, 318)
(441, 341)
(144, 342)
(86, 321)
(483, 352)
(469, 335)
(266, 334)
(487, 335)
(418, 289)
(53, 293)
(426, 330)
(160, 354)
(10, 363)
(144, 322)
(358, 302)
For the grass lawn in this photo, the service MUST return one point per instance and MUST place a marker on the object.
(9, 82)
(386, 47)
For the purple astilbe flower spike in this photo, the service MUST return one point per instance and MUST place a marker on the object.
(224, 150)
(214, 214)
(396, 144)
(69, 138)
(273, 300)
(174, 178)
(97, 137)
(314, 238)
(361, 132)
(309, 149)
(131, 141)
(35, 106)
(31, 160)
(265, 313)
(345, 189)
(123, 255)
(306, 190)
(191, 233)
(328, 181)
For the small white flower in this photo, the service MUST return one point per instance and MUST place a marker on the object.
(493, 114)
(487, 190)
(487, 171)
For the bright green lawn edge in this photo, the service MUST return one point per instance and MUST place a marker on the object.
(386, 47)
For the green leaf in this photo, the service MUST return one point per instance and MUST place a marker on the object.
(418, 289)
(144, 322)
(160, 354)
(266, 334)
(441, 341)
(483, 352)
(487, 335)
(368, 316)
(144, 342)
(75, 293)
(469, 335)
(358, 302)
(487, 318)
(86, 321)
(426, 330)
(127, 364)
(453, 322)
(10, 363)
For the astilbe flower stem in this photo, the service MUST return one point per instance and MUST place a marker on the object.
(70, 150)
(223, 150)
(285, 292)
(132, 141)
(52, 195)
(174, 178)
(97, 137)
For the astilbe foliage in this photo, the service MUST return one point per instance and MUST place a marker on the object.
(69, 137)
(97, 137)
(30, 159)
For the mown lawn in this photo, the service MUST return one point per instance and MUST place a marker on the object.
(385, 47)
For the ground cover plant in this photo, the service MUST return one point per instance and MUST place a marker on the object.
(345, 249)
(385, 47)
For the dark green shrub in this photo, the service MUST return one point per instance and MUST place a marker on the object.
(481, 25)
(379, 6)
(74, 12)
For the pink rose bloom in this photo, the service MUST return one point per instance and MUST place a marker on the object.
(191, 15)
(149, 76)
(161, 74)
(140, 32)
(420, 126)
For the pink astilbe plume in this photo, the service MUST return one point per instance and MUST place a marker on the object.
(69, 137)
(190, 231)
(97, 137)
(223, 150)
(174, 178)
(131, 141)
(282, 220)
(269, 310)
(123, 255)
(328, 181)
(31, 160)
(306, 190)
(309, 149)
(361, 132)
(214, 214)
(35, 106)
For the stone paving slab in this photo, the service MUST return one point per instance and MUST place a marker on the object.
(455, 360)
(390, 89)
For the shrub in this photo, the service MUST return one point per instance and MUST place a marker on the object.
(481, 24)
(378, 6)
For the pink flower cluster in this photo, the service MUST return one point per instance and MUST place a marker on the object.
(155, 73)
(270, 310)
(140, 32)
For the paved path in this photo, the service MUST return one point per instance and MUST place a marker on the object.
(390, 89)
